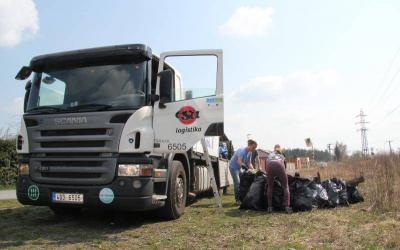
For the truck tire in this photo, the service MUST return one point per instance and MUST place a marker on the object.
(61, 211)
(176, 194)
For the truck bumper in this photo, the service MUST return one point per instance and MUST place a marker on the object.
(125, 195)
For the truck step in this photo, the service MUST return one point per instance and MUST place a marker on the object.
(159, 197)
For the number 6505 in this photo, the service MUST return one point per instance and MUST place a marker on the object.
(177, 146)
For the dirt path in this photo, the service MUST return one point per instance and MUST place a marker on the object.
(7, 195)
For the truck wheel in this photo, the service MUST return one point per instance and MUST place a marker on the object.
(61, 211)
(176, 194)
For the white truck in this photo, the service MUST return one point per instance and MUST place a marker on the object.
(111, 127)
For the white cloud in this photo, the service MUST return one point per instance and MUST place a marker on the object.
(287, 108)
(304, 83)
(10, 114)
(16, 107)
(248, 21)
(13, 109)
(18, 21)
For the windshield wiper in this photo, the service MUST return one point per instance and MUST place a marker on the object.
(90, 106)
(44, 109)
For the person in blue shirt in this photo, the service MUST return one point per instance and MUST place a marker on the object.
(254, 160)
(240, 159)
(223, 150)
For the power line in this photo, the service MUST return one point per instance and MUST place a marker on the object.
(392, 81)
(363, 129)
(385, 77)
(388, 87)
(392, 111)
(387, 115)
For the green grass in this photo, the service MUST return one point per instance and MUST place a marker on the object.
(7, 187)
(202, 226)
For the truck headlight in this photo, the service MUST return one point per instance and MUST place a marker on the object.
(135, 170)
(23, 169)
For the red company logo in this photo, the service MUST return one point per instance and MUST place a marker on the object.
(187, 115)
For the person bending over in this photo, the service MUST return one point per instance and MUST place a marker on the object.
(240, 159)
(279, 151)
(276, 169)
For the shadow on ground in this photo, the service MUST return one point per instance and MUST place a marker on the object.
(23, 224)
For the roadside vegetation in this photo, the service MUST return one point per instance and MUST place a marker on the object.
(382, 179)
(7, 187)
(8, 163)
(372, 224)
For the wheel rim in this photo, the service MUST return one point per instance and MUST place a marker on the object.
(180, 190)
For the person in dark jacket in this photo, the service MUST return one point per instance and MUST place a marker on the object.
(276, 169)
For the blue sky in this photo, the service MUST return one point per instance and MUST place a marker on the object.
(292, 69)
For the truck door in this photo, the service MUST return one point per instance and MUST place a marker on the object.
(182, 116)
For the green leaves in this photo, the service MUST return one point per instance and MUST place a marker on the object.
(8, 162)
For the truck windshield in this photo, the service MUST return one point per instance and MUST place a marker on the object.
(94, 87)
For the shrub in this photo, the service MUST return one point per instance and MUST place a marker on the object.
(382, 178)
(8, 162)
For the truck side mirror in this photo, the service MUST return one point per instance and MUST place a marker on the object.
(23, 73)
(166, 84)
(28, 86)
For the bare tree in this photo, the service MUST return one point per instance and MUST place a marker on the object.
(340, 151)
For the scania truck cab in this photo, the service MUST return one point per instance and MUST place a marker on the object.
(113, 127)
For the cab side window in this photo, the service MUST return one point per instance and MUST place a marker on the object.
(195, 76)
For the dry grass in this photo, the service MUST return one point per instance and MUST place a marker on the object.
(201, 227)
(382, 174)
(205, 227)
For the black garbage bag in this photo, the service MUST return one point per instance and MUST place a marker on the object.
(342, 190)
(246, 179)
(354, 194)
(277, 196)
(321, 200)
(291, 179)
(298, 182)
(302, 194)
(333, 192)
(255, 197)
(304, 199)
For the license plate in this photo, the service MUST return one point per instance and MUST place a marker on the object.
(67, 198)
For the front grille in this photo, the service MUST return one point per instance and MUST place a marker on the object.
(73, 170)
(71, 175)
(75, 154)
(72, 163)
(81, 156)
(63, 154)
(72, 144)
(74, 132)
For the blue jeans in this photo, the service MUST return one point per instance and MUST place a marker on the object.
(236, 181)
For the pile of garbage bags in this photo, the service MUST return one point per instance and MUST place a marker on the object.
(305, 193)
